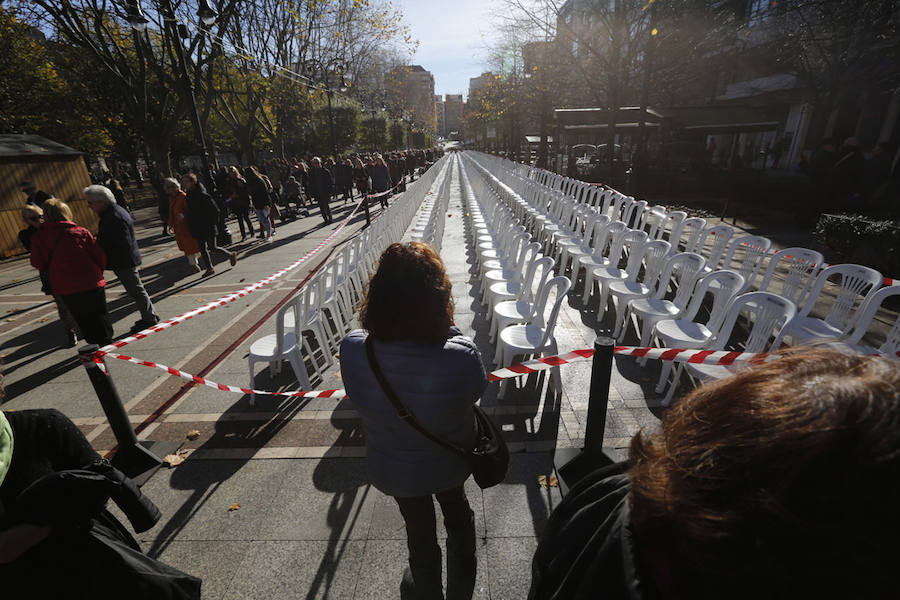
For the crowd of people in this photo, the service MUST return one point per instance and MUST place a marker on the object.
(71, 261)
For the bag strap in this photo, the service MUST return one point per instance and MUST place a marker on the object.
(401, 409)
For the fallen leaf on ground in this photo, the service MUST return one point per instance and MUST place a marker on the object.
(193, 434)
(241, 280)
(234, 506)
(173, 460)
(201, 299)
(548, 482)
(11, 319)
(44, 320)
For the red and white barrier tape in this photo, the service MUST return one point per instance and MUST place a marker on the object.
(707, 357)
(163, 325)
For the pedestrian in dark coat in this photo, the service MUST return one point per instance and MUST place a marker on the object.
(345, 179)
(361, 177)
(203, 220)
(239, 201)
(381, 179)
(75, 262)
(320, 187)
(260, 189)
(115, 234)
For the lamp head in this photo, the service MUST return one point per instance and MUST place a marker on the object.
(135, 15)
(206, 13)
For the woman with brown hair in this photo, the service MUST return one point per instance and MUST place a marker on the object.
(437, 373)
(180, 224)
(74, 262)
(782, 481)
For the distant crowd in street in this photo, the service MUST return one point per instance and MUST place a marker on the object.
(71, 260)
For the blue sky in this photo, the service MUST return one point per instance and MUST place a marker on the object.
(451, 38)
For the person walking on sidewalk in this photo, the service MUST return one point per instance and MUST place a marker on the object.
(115, 234)
(74, 262)
(239, 201)
(203, 220)
(260, 189)
(381, 179)
(33, 215)
(438, 374)
(321, 185)
(187, 243)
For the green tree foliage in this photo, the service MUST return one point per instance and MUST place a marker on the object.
(37, 97)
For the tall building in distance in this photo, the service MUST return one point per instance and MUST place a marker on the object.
(453, 116)
(440, 115)
(476, 84)
(410, 89)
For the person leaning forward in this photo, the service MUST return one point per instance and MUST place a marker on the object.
(116, 236)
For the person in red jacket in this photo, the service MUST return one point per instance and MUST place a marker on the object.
(75, 262)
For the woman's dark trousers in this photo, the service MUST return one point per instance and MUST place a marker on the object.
(91, 314)
(424, 552)
(243, 215)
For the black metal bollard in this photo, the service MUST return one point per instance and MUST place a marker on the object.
(571, 463)
(132, 457)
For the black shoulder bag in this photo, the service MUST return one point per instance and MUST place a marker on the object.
(489, 459)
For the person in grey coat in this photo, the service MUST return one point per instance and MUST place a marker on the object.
(115, 235)
(438, 374)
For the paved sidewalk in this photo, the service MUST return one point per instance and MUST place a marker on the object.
(309, 524)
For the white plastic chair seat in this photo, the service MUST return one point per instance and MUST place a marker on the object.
(522, 339)
(264, 350)
(806, 329)
(509, 312)
(684, 334)
(712, 372)
(629, 288)
(650, 311)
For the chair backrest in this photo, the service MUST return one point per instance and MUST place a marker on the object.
(867, 313)
(598, 225)
(634, 212)
(675, 223)
(633, 247)
(655, 222)
(545, 264)
(801, 265)
(720, 235)
(752, 250)
(723, 285)
(293, 306)
(692, 231)
(856, 280)
(561, 286)
(769, 314)
(655, 255)
(615, 232)
(527, 254)
(687, 266)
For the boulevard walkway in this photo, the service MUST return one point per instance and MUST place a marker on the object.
(308, 525)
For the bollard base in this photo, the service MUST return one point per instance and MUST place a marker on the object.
(572, 464)
(142, 460)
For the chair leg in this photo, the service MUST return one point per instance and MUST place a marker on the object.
(674, 385)
(252, 377)
(296, 360)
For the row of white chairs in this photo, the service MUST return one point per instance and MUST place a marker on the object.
(429, 226)
(324, 306)
(514, 278)
(577, 230)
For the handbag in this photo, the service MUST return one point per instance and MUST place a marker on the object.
(488, 460)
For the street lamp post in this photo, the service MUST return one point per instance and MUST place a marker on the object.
(207, 16)
(322, 71)
(374, 133)
(330, 93)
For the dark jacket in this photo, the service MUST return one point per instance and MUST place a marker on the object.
(259, 192)
(587, 548)
(115, 235)
(25, 236)
(381, 178)
(202, 213)
(321, 184)
(439, 383)
(344, 177)
(72, 256)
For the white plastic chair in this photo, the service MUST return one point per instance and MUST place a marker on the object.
(685, 268)
(536, 337)
(519, 307)
(867, 314)
(685, 332)
(281, 345)
(720, 234)
(589, 243)
(752, 250)
(510, 271)
(634, 245)
(769, 314)
(612, 235)
(801, 266)
(655, 253)
(857, 284)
